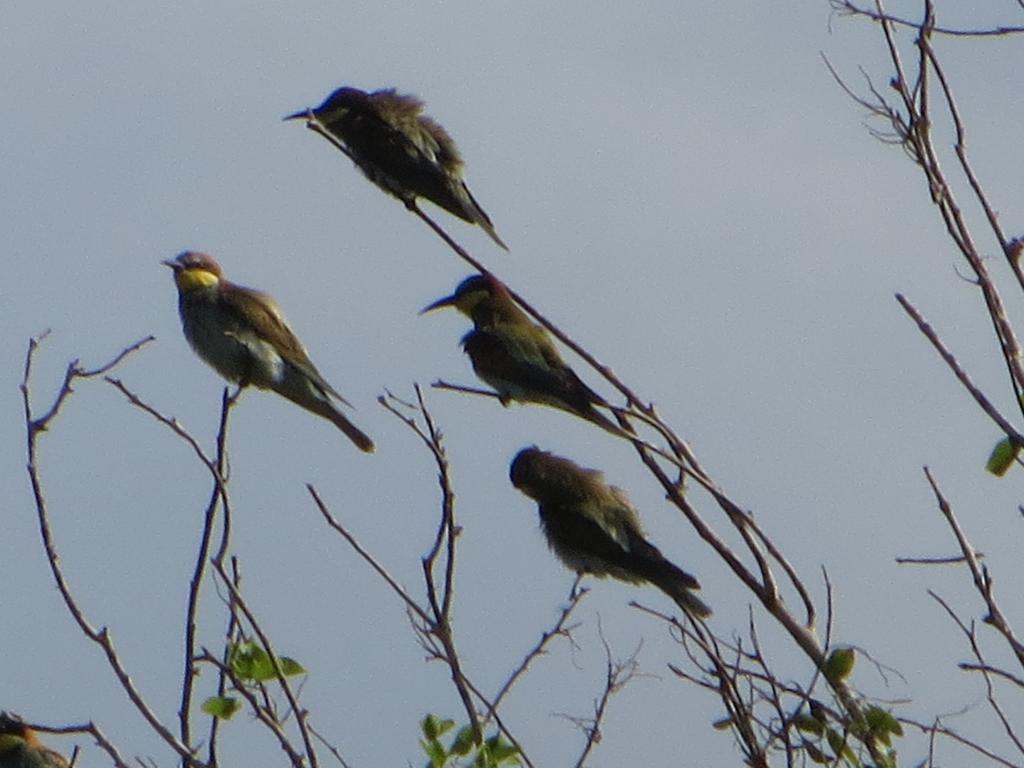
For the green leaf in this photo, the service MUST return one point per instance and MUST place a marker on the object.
(887, 761)
(250, 662)
(882, 723)
(809, 724)
(291, 667)
(435, 753)
(241, 659)
(262, 666)
(434, 727)
(221, 706)
(839, 664)
(1002, 457)
(839, 746)
(464, 741)
(815, 754)
(503, 751)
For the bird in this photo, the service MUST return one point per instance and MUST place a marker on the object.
(515, 355)
(20, 747)
(243, 335)
(402, 151)
(593, 527)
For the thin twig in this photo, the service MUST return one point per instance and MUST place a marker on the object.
(217, 468)
(300, 714)
(34, 427)
(93, 730)
(848, 8)
(937, 729)
(618, 673)
(982, 580)
(990, 693)
(440, 625)
(411, 604)
(561, 628)
(258, 709)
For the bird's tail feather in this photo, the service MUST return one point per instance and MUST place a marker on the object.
(690, 603)
(596, 417)
(353, 433)
(477, 214)
(326, 409)
(680, 588)
(489, 229)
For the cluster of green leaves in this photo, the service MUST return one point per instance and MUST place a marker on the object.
(831, 743)
(463, 751)
(252, 666)
(826, 744)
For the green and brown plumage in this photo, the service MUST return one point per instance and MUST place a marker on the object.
(401, 150)
(593, 527)
(243, 335)
(20, 747)
(516, 356)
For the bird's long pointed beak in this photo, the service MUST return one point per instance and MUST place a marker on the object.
(304, 114)
(447, 301)
(173, 264)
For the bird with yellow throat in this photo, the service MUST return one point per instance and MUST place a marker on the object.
(243, 335)
(20, 747)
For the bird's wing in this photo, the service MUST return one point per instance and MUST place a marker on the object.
(529, 365)
(549, 353)
(517, 364)
(394, 120)
(403, 115)
(586, 545)
(259, 312)
(407, 153)
(612, 523)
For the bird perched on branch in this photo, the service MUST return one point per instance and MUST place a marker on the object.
(515, 355)
(593, 528)
(401, 150)
(244, 336)
(20, 747)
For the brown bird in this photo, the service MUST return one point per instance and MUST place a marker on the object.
(593, 527)
(516, 356)
(401, 150)
(242, 334)
(20, 747)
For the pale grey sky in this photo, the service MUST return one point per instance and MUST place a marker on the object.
(684, 190)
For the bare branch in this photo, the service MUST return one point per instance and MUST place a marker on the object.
(217, 468)
(440, 625)
(93, 730)
(560, 629)
(982, 581)
(240, 604)
(34, 427)
(846, 7)
(411, 604)
(979, 397)
(618, 674)
(990, 695)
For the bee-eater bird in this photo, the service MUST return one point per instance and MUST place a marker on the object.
(515, 355)
(593, 528)
(20, 747)
(242, 334)
(401, 150)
